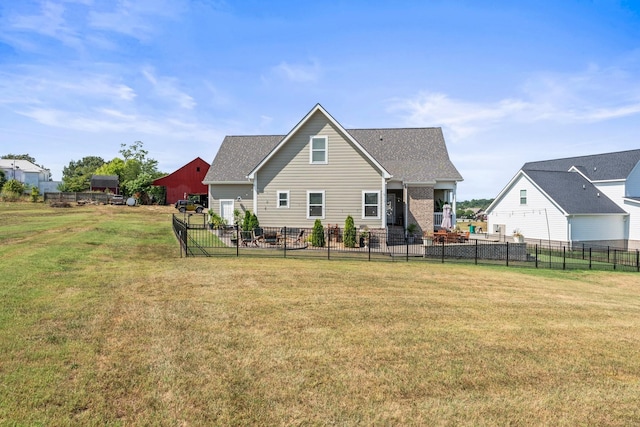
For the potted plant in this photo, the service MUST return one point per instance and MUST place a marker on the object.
(518, 237)
(364, 237)
(216, 222)
(411, 232)
(427, 238)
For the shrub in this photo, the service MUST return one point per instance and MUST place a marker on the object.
(349, 237)
(35, 193)
(317, 236)
(250, 221)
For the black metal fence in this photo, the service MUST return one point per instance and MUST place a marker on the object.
(198, 239)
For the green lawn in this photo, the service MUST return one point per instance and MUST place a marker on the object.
(102, 323)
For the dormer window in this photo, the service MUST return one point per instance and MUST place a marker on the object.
(318, 150)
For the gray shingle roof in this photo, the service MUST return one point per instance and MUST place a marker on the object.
(598, 167)
(574, 193)
(411, 154)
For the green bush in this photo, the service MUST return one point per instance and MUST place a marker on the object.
(349, 237)
(35, 193)
(250, 221)
(317, 236)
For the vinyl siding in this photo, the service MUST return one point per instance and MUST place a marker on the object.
(598, 227)
(219, 192)
(531, 219)
(633, 208)
(633, 183)
(342, 179)
(613, 190)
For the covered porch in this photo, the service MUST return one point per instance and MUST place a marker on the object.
(419, 204)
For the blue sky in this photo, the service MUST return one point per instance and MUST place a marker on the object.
(508, 81)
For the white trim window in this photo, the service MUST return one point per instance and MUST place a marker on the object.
(315, 204)
(319, 150)
(523, 197)
(283, 199)
(371, 204)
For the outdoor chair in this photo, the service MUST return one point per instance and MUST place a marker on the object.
(258, 235)
(246, 237)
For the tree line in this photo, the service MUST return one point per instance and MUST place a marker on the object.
(135, 170)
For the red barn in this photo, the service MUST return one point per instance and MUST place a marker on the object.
(186, 182)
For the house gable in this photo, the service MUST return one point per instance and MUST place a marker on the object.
(312, 116)
(339, 181)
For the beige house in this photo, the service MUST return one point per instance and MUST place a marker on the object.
(320, 170)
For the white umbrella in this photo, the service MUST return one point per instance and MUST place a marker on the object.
(446, 216)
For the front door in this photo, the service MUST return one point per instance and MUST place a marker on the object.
(226, 210)
(391, 208)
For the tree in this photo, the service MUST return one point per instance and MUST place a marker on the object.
(250, 221)
(317, 236)
(138, 173)
(13, 189)
(20, 157)
(77, 176)
(349, 233)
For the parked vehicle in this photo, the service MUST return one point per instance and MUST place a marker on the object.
(189, 206)
(117, 199)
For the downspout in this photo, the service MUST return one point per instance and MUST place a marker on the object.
(383, 205)
(255, 193)
(453, 205)
(405, 195)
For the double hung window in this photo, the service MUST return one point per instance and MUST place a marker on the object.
(370, 204)
(315, 204)
(318, 150)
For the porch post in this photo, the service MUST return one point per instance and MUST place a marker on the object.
(405, 195)
(453, 205)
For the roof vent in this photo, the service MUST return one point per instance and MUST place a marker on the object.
(584, 187)
(380, 137)
(598, 194)
(595, 168)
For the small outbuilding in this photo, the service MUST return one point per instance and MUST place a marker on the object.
(106, 183)
(186, 182)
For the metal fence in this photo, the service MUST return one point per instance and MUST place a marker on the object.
(198, 239)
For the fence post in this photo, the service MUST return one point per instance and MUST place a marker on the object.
(369, 245)
(443, 251)
(407, 242)
(507, 253)
(536, 255)
(476, 260)
(328, 240)
(285, 241)
(590, 258)
(637, 260)
(564, 257)
(237, 228)
(615, 258)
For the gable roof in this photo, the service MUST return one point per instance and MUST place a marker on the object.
(573, 193)
(415, 155)
(319, 109)
(104, 180)
(597, 167)
(23, 165)
(166, 179)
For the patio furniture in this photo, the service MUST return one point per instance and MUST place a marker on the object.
(246, 237)
(258, 235)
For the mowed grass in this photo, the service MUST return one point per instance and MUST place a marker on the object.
(102, 323)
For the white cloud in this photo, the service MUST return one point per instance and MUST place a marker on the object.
(167, 87)
(50, 22)
(299, 73)
(591, 96)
